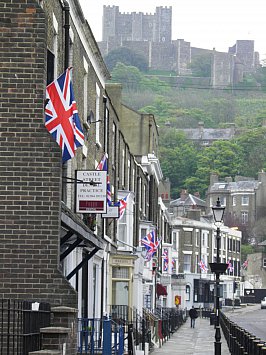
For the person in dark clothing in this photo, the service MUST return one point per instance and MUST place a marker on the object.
(193, 315)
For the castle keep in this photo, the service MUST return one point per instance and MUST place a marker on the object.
(150, 35)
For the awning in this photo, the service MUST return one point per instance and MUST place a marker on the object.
(77, 234)
(161, 290)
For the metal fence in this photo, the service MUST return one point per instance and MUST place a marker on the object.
(20, 323)
(100, 336)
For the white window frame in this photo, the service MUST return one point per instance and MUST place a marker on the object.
(187, 263)
(244, 217)
(244, 200)
(85, 90)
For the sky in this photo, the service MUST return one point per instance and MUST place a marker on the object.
(205, 24)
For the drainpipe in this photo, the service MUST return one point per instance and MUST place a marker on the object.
(66, 27)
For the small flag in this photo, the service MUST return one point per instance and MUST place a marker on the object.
(165, 259)
(245, 264)
(173, 264)
(150, 244)
(61, 116)
(103, 163)
(122, 204)
(230, 267)
(203, 266)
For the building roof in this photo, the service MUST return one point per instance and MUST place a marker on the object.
(235, 186)
(190, 200)
(209, 134)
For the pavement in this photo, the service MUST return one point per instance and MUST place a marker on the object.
(193, 341)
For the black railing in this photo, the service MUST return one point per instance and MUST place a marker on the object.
(241, 342)
(20, 323)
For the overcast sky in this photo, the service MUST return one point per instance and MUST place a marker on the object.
(204, 23)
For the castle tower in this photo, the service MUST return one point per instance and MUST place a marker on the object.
(109, 20)
(163, 24)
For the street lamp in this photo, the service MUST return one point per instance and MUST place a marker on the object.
(218, 268)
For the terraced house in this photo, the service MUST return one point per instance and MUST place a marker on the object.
(79, 262)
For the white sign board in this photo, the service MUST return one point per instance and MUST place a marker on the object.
(91, 191)
(112, 212)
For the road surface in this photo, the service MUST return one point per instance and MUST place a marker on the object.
(252, 318)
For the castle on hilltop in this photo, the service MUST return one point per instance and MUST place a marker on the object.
(150, 35)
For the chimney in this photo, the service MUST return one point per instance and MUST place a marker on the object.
(197, 194)
(213, 179)
(183, 195)
(228, 179)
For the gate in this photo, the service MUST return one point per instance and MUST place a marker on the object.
(20, 323)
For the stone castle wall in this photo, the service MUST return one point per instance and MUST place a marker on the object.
(150, 35)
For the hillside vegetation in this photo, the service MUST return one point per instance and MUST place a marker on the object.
(183, 106)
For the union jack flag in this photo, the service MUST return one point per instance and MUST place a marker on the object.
(165, 260)
(245, 264)
(149, 241)
(103, 163)
(103, 166)
(150, 244)
(173, 264)
(230, 267)
(203, 266)
(122, 204)
(61, 116)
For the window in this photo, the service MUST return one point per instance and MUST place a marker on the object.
(144, 199)
(234, 200)
(197, 238)
(128, 174)
(197, 264)
(223, 200)
(188, 238)
(174, 240)
(123, 168)
(244, 217)
(245, 200)
(204, 240)
(114, 143)
(123, 229)
(264, 262)
(97, 118)
(187, 263)
(85, 90)
(187, 293)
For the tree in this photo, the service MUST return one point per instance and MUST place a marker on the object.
(253, 147)
(129, 76)
(223, 157)
(126, 56)
(201, 65)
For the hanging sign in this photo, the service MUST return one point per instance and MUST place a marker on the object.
(91, 191)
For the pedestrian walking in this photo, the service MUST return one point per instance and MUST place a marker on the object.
(193, 315)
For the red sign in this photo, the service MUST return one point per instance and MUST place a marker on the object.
(177, 300)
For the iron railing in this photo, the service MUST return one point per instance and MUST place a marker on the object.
(20, 323)
(240, 341)
(100, 336)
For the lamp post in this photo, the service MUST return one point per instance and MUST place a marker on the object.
(218, 268)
